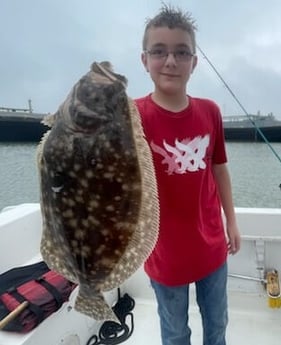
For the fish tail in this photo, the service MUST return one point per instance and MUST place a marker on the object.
(94, 306)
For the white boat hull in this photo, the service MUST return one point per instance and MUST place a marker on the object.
(251, 321)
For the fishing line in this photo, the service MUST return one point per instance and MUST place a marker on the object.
(240, 104)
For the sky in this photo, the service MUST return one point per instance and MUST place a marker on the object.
(47, 45)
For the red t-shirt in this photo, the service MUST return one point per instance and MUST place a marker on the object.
(185, 145)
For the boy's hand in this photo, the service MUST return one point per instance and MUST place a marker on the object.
(234, 239)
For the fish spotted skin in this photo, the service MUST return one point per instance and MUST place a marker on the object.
(98, 190)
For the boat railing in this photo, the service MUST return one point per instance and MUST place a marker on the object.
(18, 110)
(15, 110)
(243, 118)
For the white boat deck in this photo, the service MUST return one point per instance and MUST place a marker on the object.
(251, 321)
(252, 326)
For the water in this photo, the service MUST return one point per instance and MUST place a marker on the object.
(255, 174)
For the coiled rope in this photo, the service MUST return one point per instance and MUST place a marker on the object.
(112, 333)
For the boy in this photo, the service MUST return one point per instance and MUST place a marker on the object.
(187, 142)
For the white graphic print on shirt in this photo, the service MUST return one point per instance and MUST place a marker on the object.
(185, 155)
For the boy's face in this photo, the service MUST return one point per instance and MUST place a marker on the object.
(169, 59)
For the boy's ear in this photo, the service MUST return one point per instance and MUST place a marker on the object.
(144, 61)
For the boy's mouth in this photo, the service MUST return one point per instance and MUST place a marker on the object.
(170, 75)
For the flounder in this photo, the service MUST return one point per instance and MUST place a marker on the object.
(98, 190)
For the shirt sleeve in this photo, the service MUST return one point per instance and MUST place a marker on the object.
(219, 156)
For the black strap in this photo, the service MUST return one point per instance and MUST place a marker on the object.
(31, 306)
(21, 275)
(52, 290)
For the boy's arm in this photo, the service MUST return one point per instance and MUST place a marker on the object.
(222, 179)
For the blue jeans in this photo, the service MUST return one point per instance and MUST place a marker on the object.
(212, 301)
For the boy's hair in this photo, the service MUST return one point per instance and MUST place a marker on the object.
(173, 19)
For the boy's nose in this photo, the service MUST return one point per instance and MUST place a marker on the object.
(170, 59)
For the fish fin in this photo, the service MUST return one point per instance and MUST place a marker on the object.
(145, 236)
(49, 120)
(94, 306)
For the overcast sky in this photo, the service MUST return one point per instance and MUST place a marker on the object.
(47, 45)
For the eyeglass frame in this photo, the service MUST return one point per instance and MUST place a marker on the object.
(184, 58)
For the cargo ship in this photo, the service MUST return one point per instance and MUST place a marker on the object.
(21, 125)
(249, 128)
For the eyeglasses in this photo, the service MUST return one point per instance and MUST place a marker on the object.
(180, 55)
